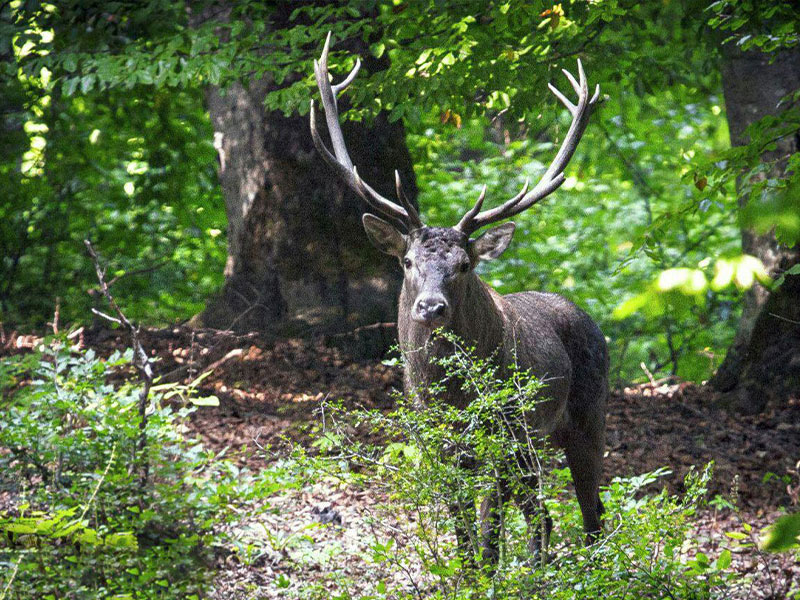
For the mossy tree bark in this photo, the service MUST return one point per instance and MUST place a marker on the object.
(763, 362)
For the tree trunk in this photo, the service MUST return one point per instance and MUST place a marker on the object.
(763, 362)
(298, 259)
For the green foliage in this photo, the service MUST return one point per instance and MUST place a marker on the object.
(766, 26)
(783, 535)
(135, 177)
(115, 145)
(469, 56)
(683, 288)
(84, 525)
(439, 456)
(132, 170)
(766, 178)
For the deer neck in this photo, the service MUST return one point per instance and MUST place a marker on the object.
(477, 320)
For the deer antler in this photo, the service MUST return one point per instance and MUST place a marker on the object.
(554, 176)
(340, 162)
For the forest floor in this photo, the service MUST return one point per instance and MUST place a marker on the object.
(270, 393)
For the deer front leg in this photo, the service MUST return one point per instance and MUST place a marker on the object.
(461, 503)
(492, 523)
(462, 512)
(540, 524)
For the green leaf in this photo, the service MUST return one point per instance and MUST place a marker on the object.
(783, 535)
(20, 528)
(87, 83)
(724, 559)
(124, 539)
(631, 305)
(70, 63)
(205, 401)
(69, 85)
(794, 270)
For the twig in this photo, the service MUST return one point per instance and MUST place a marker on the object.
(11, 579)
(648, 373)
(100, 482)
(141, 271)
(792, 321)
(100, 313)
(56, 315)
(140, 361)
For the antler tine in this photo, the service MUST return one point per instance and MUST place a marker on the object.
(596, 94)
(553, 177)
(340, 87)
(339, 159)
(564, 100)
(413, 215)
(465, 220)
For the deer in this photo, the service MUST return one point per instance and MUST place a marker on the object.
(543, 333)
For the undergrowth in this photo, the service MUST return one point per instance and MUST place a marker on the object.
(78, 520)
(81, 521)
(439, 457)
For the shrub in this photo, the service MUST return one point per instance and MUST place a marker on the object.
(435, 456)
(83, 523)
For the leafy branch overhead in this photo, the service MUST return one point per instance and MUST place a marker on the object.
(466, 56)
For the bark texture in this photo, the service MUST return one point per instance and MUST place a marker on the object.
(298, 259)
(763, 362)
(297, 252)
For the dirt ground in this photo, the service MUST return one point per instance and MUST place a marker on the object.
(270, 391)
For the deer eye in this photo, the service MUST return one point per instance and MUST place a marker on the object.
(407, 263)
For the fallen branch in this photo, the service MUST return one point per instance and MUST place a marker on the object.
(232, 354)
(140, 361)
(648, 373)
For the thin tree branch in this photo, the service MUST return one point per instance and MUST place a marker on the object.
(140, 361)
(141, 271)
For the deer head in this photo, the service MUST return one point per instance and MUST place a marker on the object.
(439, 261)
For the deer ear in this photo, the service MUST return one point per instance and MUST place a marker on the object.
(384, 236)
(492, 243)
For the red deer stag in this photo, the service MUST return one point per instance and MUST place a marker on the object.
(539, 331)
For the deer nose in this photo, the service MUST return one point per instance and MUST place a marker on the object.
(430, 309)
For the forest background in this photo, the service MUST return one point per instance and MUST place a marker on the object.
(112, 112)
(174, 136)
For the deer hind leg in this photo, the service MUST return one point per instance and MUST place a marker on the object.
(584, 450)
(540, 524)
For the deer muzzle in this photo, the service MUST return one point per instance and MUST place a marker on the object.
(431, 310)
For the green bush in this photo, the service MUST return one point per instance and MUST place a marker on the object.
(438, 456)
(84, 523)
